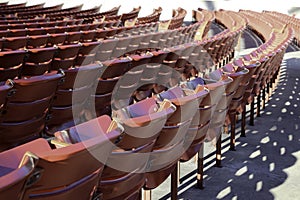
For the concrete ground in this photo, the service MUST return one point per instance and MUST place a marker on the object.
(266, 163)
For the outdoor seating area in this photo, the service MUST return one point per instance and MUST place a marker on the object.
(98, 104)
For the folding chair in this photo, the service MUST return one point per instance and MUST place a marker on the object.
(69, 105)
(72, 180)
(39, 41)
(121, 47)
(108, 78)
(73, 37)
(142, 123)
(17, 33)
(11, 63)
(169, 145)
(15, 43)
(56, 39)
(106, 49)
(65, 56)
(87, 53)
(38, 61)
(25, 111)
(87, 36)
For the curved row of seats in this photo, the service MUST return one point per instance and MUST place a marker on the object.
(163, 127)
(15, 8)
(286, 19)
(220, 104)
(263, 65)
(41, 37)
(91, 17)
(149, 185)
(153, 17)
(66, 54)
(39, 60)
(51, 12)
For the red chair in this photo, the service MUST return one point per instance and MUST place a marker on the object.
(11, 63)
(106, 49)
(35, 31)
(87, 36)
(39, 41)
(38, 61)
(87, 53)
(65, 56)
(71, 180)
(110, 75)
(71, 101)
(24, 115)
(17, 33)
(73, 37)
(3, 33)
(56, 39)
(121, 47)
(142, 123)
(170, 144)
(15, 43)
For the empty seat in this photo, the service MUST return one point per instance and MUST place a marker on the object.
(87, 53)
(169, 145)
(121, 47)
(62, 29)
(3, 33)
(15, 43)
(56, 39)
(142, 123)
(106, 49)
(112, 71)
(111, 32)
(100, 34)
(37, 41)
(71, 180)
(135, 43)
(70, 103)
(87, 36)
(35, 31)
(203, 119)
(17, 33)
(73, 37)
(11, 63)
(65, 56)
(24, 115)
(38, 61)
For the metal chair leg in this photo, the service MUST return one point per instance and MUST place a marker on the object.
(251, 122)
(174, 183)
(264, 98)
(243, 124)
(232, 131)
(200, 168)
(218, 151)
(147, 195)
